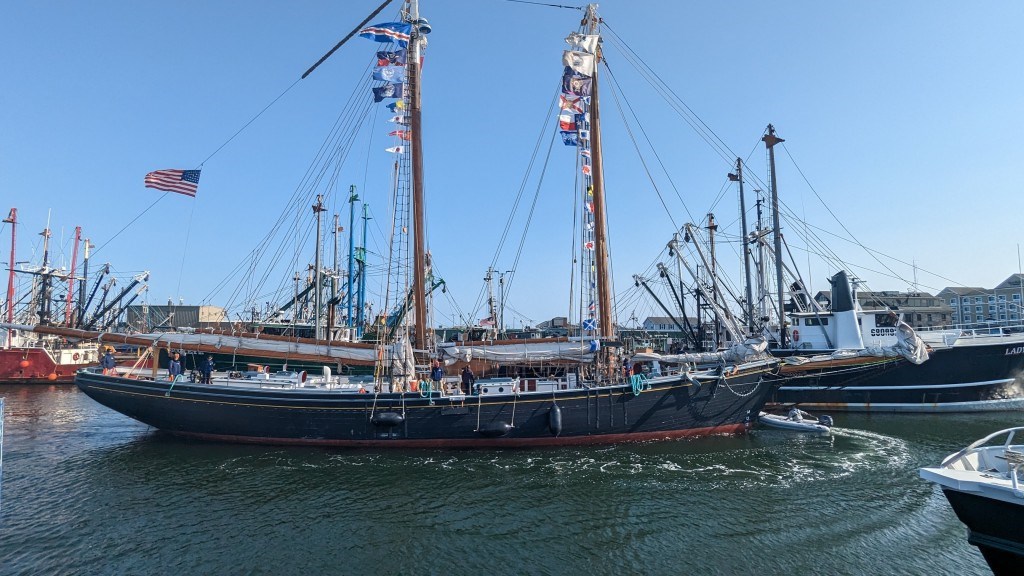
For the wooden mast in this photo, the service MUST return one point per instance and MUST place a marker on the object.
(71, 277)
(604, 290)
(416, 126)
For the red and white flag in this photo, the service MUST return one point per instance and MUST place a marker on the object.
(181, 181)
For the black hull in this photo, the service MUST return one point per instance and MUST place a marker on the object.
(959, 379)
(672, 408)
(994, 526)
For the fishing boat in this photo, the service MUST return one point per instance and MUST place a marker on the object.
(593, 403)
(28, 356)
(848, 359)
(983, 485)
(844, 358)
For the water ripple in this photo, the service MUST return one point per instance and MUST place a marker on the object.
(87, 491)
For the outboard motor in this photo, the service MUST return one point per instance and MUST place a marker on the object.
(825, 420)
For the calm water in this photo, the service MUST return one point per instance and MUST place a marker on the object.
(87, 491)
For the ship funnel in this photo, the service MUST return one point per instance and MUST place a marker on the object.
(842, 296)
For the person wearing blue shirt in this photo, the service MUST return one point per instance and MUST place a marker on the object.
(436, 375)
(108, 363)
(206, 368)
(174, 366)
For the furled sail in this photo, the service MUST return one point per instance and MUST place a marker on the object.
(573, 350)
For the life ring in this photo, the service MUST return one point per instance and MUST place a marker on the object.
(796, 335)
(76, 356)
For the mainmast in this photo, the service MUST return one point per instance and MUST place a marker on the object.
(604, 289)
(318, 208)
(80, 308)
(71, 278)
(712, 228)
(352, 199)
(414, 72)
(770, 140)
(11, 219)
(44, 300)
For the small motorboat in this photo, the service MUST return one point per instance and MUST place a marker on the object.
(797, 421)
(982, 483)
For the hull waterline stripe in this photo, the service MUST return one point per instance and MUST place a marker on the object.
(973, 406)
(856, 388)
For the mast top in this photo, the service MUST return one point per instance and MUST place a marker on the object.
(770, 139)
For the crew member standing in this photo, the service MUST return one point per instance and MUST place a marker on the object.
(207, 369)
(174, 367)
(436, 375)
(108, 363)
(468, 379)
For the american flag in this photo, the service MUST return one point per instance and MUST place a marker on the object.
(181, 181)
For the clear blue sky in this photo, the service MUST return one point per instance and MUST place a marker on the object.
(906, 118)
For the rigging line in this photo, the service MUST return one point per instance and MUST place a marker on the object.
(256, 254)
(96, 251)
(647, 138)
(251, 120)
(721, 142)
(839, 262)
(545, 4)
(345, 39)
(636, 146)
(720, 196)
(533, 206)
(675, 103)
(519, 194)
(184, 250)
(526, 176)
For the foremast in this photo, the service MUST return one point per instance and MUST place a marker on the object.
(414, 70)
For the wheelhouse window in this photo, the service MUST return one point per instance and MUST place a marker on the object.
(885, 320)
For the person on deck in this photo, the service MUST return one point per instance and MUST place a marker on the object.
(174, 366)
(436, 375)
(108, 363)
(468, 379)
(206, 369)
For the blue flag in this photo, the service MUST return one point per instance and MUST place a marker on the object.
(388, 32)
(570, 138)
(388, 91)
(575, 84)
(390, 74)
(396, 58)
(397, 106)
